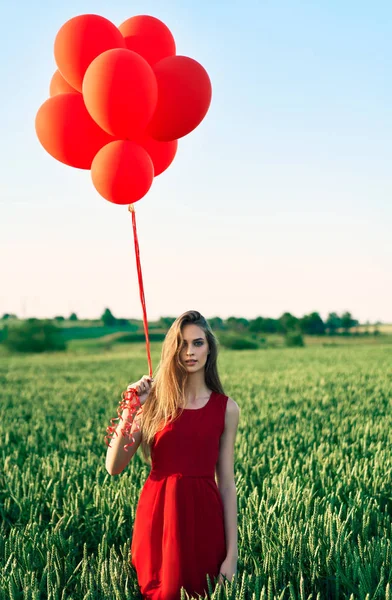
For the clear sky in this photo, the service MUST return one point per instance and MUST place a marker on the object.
(281, 200)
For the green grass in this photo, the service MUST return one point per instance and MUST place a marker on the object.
(313, 470)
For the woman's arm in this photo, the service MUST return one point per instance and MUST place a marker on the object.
(116, 457)
(225, 477)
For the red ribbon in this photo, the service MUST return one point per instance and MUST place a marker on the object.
(141, 288)
(129, 398)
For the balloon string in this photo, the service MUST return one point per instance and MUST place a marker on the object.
(130, 399)
(141, 288)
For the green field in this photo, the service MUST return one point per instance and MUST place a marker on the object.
(313, 472)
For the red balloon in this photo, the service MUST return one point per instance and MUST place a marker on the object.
(161, 153)
(122, 172)
(79, 41)
(58, 85)
(67, 132)
(184, 96)
(149, 37)
(120, 91)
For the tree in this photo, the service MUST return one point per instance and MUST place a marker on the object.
(257, 325)
(271, 325)
(347, 322)
(216, 323)
(333, 323)
(59, 319)
(109, 320)
(238, 324)
(287, 322)
(166, 322)
(312, 324)
(73, 317)
(262, 325)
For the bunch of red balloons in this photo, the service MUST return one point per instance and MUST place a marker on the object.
(119, 101)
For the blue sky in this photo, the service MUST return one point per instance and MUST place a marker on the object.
(279, 201)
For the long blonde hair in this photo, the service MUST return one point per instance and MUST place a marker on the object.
(167, 393)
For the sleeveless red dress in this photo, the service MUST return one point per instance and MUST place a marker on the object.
(179, 534)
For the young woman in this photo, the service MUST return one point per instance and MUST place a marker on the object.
(186, 520)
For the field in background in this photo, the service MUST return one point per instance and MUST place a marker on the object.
(384, 328)
(312, 468)
(105, 340)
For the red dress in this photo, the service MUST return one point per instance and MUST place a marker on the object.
(179, 534)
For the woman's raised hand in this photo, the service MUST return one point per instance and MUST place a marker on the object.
(142, 387)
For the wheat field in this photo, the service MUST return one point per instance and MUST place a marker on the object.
(313, 471)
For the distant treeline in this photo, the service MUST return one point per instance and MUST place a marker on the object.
(311, 324)
(235, 333)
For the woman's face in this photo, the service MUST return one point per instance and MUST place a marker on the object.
(194, 347)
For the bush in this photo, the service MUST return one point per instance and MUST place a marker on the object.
(294, 339)
(235, 342)
(35, 335)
